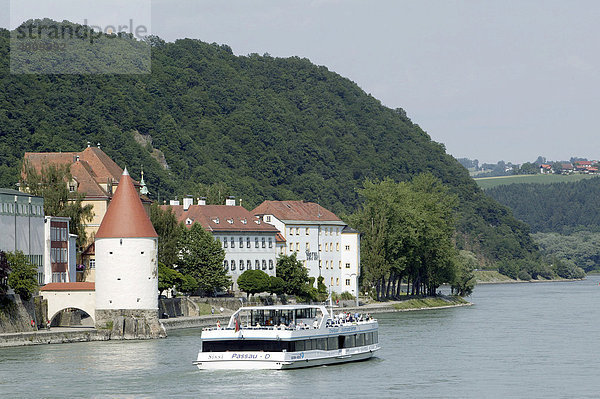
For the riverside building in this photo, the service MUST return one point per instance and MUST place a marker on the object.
(249, 242)
(322, 241)
(22, 226)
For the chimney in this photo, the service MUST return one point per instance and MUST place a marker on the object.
(187, 201)
(202, 201)
(173, 202)
(230, 201)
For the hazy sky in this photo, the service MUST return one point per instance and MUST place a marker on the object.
(491, 80)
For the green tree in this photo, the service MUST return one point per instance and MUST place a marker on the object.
(253, 282)
(51, 182)
(23, 275)
(169, 232)
(293, 273)
(187, 284)
(201, 257)
(464, 279)
(167, 277)
(276, 285)
(4, 273)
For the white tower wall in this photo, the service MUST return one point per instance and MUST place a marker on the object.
(127, 273)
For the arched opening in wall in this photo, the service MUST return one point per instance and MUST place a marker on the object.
(71, 317)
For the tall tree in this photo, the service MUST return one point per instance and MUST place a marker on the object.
(201, 257)
(293, 273)
(253, 282)
(23, 275)
(51, 182)
(169, 232)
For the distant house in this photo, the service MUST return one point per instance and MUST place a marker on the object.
(567, 168)
(545, 169)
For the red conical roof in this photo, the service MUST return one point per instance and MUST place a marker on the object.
(126, 216)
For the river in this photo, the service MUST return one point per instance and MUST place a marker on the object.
(517, 341)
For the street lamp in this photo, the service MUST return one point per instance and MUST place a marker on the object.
(356, 275)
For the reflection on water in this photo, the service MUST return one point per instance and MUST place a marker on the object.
(522, 340)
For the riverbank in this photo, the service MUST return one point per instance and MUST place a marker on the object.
(64, 335)
(415, 304)
(494, 277)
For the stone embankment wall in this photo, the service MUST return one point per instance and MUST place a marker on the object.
(130, 323)
(53, 336)
(16, 315)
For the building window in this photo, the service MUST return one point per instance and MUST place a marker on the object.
(291, 230)
(264, 245)
(347, 265)
(307, 230)
(232, 264)
(256, 264)
(331, 281)
(340, 264)
(241, 242)
(308, 246)
(249, 264)
(92, 264)
(256, 242)
(232, 242)
(347, 281)
(226, 264)
(270, 264)
(337, 281)
(297, 247)
(268, 218)
(337, 246)
(241, 265)
(320, 247)
(297, 231)
(247, 242)
(225, 242)
(264, 264)
(270, 242)
(347, 247)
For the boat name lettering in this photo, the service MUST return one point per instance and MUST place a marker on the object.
(215, 357)
(243, 356)
(298, 356)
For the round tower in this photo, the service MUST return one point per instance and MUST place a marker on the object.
(127, 267)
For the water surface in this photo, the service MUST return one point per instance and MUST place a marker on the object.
(517, 341)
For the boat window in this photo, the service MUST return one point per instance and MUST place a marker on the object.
(332, 343)
(322, 344)
(299, 346)
(350, 341)
(368, 338)
(246, 345)
(360, 340)
(375, 337)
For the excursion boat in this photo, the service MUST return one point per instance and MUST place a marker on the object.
(286, 337)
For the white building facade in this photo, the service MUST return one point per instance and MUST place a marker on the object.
(22, 226)
(322, 242)
(249, 243)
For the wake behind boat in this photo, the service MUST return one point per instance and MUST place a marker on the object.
(287, 336)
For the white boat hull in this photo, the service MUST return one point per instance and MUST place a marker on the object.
(281, 360)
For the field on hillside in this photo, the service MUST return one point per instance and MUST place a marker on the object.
(489, 182)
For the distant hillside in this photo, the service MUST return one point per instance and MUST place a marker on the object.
(269, 128)
(557, 207)
(490, 182)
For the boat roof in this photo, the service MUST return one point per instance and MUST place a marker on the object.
(281, 307)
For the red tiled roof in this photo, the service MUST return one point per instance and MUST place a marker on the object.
(295, 210)
(126, 216)
(280, 238)
(81, 286)
(221, 218)
(93, 168)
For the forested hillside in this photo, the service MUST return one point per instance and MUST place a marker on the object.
(265, 127)
(557, 207)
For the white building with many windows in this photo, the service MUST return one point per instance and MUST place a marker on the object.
(22, 226)
(321, 240)
(249, 243)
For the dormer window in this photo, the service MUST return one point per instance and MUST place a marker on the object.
(257, 221)
(215, 220)
(244, 221)
(188, 221)
(230, 221)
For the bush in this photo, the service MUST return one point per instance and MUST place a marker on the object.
(346, 296)
(23, 276)
(523, 275)
(253, 282)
